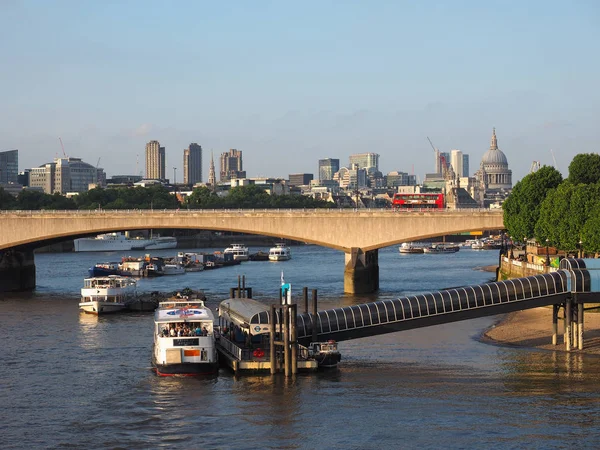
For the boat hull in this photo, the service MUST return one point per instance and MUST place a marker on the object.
(328, 360)
(279, 258)
(186, 369)
(103, 272)
(99, 308)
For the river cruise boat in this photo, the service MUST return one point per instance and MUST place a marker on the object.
(239, 252)
(326, 354)
(184, 340)
(409, 247)
(441, 248)
(103, 295)
(109, 242)
(281, 252)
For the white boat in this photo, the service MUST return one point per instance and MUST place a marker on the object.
(103, 295)
(173, 269)
(407, 247)
(109, 242)
(477, 244)
(184, 340)
(239, 252)
(280, 252)
(442, 248)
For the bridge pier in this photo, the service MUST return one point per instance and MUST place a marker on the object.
(361, 275)
(17, 270)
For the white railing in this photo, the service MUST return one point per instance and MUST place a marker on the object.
(231, 347)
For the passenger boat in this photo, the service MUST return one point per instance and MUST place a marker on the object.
(325, 353)
(281, 252)
(184, 340)
(477, 244)
(239, 252)
(442, 248)
(102, 295)
(407, 247)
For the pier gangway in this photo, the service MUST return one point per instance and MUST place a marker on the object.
(576, 280)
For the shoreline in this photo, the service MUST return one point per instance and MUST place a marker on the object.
(532, 329)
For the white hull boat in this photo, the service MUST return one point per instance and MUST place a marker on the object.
(104, 295)
(280, 252)
(239, 252)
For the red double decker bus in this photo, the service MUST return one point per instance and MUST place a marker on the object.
(418, 201)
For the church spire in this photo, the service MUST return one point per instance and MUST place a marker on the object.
(494, 144)
(211, 171)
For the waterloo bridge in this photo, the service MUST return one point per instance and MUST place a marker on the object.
(358, 233)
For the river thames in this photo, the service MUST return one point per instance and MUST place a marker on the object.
(76, 381)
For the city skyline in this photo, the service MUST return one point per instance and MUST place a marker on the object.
(300, 97)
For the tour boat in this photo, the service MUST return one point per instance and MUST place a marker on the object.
(408, 247)
(184, 340)
(280, 252)
(239, 252)
(102, 295)
(325, 353)
(441, 248)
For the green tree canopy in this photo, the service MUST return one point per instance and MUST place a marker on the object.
(7, 201)
(585, 168)
(522, 207)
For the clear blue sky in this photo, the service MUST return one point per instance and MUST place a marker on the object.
(291, 82)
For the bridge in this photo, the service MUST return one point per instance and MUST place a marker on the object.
(358, 233)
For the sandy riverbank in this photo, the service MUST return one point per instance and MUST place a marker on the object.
(533, 328)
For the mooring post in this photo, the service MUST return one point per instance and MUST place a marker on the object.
(575, 325)
(305, 297)
(239, 288)
(243, 286)
(231, 292)
(294, 336)
(286, 340)
(314, 315)
(554, 323)
(272, 341)
(580, 327)
(568, 315)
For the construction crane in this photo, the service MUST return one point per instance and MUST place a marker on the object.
(98, 163)
(554, 159)
(63, 147)
(440, 161)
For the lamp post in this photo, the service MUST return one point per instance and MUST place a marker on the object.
(547, 252)
(580, 249)
(512, 255)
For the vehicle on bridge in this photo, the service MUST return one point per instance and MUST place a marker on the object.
(419, 201)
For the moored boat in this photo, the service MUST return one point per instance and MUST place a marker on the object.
(184, 341)
(103, 295)
(119, 241)
(281, 252)
(325, 353)
(441, 248)
(104, 269)
(408, 247)
(239, 252)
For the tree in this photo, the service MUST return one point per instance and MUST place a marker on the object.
(590, 236)
(585, 168)
(7, 201)
(522, 207)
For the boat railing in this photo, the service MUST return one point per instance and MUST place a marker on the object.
(232, 348)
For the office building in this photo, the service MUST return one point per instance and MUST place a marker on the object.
(155, 161)
(66, 175)
(9, 166)
(465, 171)
(300, 179)
(327, 168)
(365, 160)
(456, 161)
(231, 165)
(192, 164)
(395, 179)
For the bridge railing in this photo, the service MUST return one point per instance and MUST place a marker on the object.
(88, 212)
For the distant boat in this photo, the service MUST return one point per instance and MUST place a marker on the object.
(408, 247)
(281, 252)
(442, 248)
(239, 252)
(110, 242)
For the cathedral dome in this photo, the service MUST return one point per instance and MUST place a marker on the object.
(494, 155)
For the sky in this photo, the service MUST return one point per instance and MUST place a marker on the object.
(289, 83)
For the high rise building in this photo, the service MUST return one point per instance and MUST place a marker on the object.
(231, 165)
(465, 165)
(365, 160)
(212, 179)
(192, 164)
(9, 166)
(155, 161)
(327, 168)
(456, 161)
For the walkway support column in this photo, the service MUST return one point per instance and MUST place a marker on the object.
(554, 323)
(580, 320)
(17, 270)
(361, 275)
(568, 317)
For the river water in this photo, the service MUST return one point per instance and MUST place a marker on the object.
(75, 381)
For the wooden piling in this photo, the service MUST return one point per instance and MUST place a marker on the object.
(580, 327)
(305, 297)
(272, 341)
(294, 337)
(575, 326)
(314, 315)
(554, 324)
(286, 341)
(568, 316)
